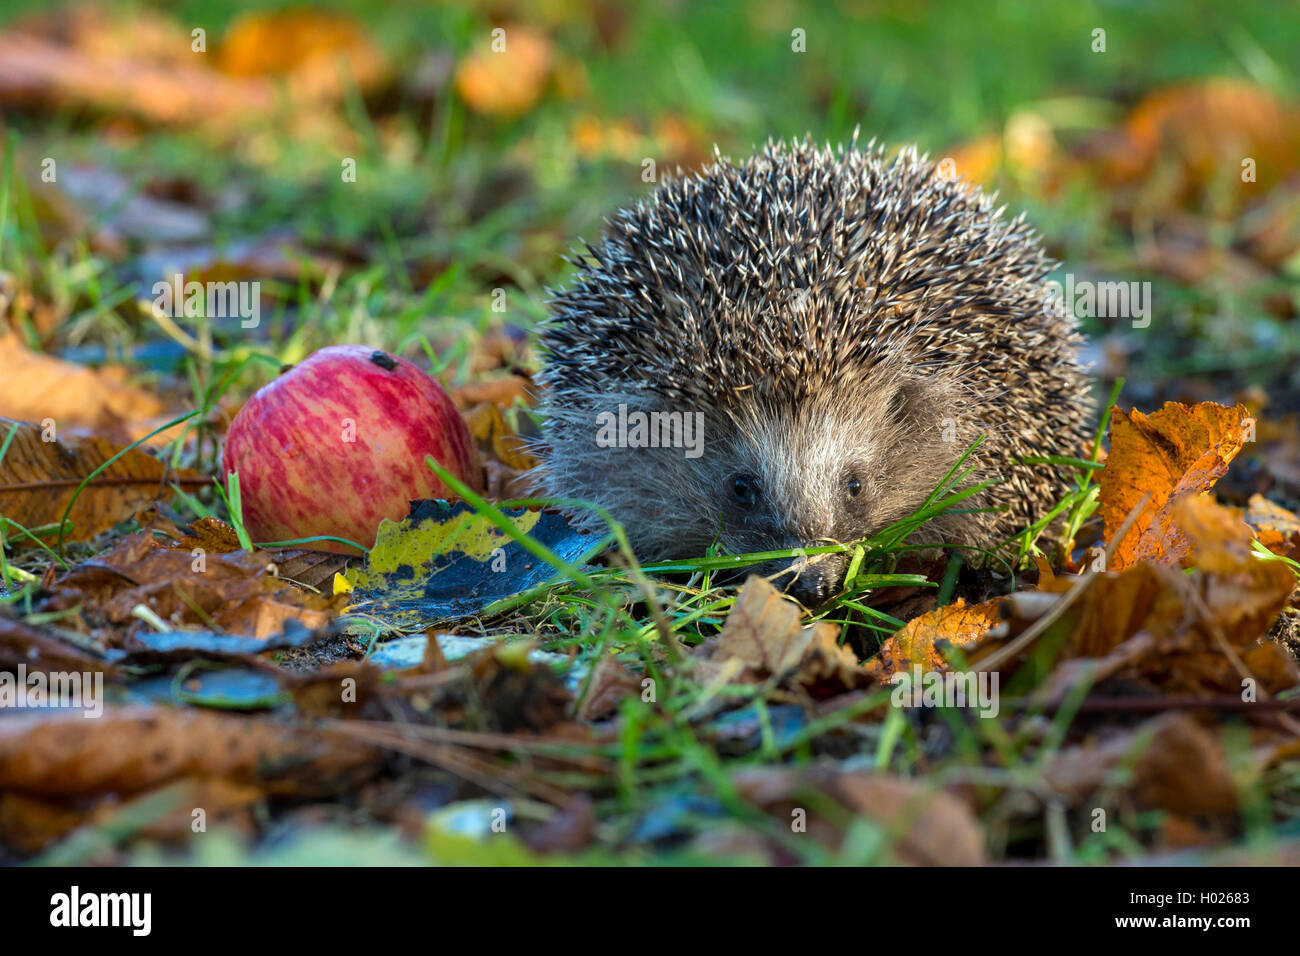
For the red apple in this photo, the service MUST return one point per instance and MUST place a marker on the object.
(337, 443)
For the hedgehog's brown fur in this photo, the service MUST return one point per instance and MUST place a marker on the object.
(835, 315)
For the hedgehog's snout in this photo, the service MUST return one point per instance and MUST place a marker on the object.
(813, 580)
(812, 588)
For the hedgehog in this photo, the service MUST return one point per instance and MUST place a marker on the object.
(795, 350)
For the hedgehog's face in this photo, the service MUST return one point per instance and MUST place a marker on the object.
(834, 473)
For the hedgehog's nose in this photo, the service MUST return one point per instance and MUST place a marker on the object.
(812, 585)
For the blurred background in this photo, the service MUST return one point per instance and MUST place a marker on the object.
(390, 177)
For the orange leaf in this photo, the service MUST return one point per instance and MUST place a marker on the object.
(1200, 129)
(311, 47)
(1277, 529)
(1156, 623)
(35, 387)
(487, 423)
(505, 76)
(1176, 452)
(914, 644)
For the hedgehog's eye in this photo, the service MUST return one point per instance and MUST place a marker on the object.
(854, 486)
(745, 488)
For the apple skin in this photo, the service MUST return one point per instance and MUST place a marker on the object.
(300, 476)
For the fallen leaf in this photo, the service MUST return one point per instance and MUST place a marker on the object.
(764, 636)
(1177, 765)
(496, 439)
(505, 392)
(1277, 529)
(505, 81)
(140, 65)
(40, 72)
(38, 479)
(443, 562)
(611, 682)
(319, 52)
(234, 591)
(925, 827)
(210, 534)
(1175, 631)
(38, 387)
(915, 644)
(1171, 454)
(313, 570)
(1196, 130)
(131, 749)
(763, 630)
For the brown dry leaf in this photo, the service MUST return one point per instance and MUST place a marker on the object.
(210, 534)
(570, 831)
(763, 630)
(1154, 623)
(234, 592)
(99, 30)
(1200, 130)
(301, 566)
(1218, 539)
(1277, 529)
(307, 568)
(506, 484)
(23, 644)
(914, 644)
(505, 392)
(509, 82)
(611, 682)
(1025, 147)
(1181, 767)
(38, 71)
(764, 636)
(39, 478)
(319, 52)
(29, 825)
(1176, 452)
(142, 66)
(1264, 515)
(130, 749)
(496, 439)
(36, 387)
(1185, 769)
(926, 827)
(1270, 230)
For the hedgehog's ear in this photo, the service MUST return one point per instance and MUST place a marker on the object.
(922, 402)
(911, 397)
